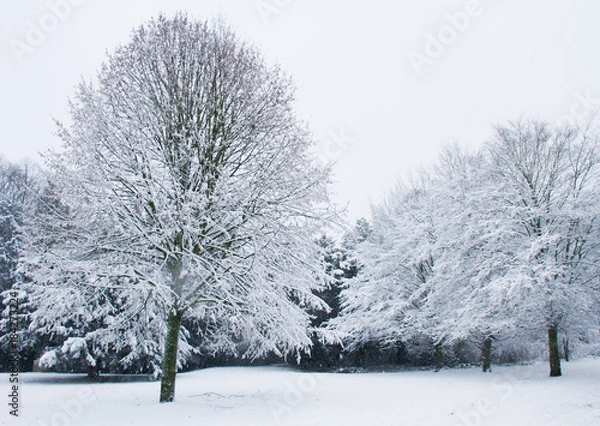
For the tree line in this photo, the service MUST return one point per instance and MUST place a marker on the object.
(497, 245)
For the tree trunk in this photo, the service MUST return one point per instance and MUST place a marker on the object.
(439, 356)
(169, 365)
(486, 352)
(553, 351)
(93, 371)
(92, 361)
(566, 349)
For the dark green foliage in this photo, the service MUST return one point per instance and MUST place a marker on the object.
(339, 266)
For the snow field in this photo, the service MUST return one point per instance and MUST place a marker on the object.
(510, 395)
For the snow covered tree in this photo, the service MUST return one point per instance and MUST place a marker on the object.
(427, 274)
(384, 303)
(19, 185)
(360, 233)
(17, 190)
(487, 246)
(93, 328)
(549, 178)
(340, 266)
(186, 178)
(474, 253)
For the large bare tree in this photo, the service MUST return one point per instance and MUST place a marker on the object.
(185, 174)
(549, 177)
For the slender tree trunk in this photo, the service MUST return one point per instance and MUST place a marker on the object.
(169, 365)
(553, 352)
(93, 368)
(439, 356)
(566, 349)
(486, 352)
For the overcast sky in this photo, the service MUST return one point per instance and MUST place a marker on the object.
(383, 84)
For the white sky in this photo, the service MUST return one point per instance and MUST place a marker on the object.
(369, 108)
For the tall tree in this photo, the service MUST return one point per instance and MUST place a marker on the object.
(475, 253)
(19, 185)
(384, 303)
(17, 191)
(549, 177)
(186, 175)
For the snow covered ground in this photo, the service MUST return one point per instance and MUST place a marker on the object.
(515, 395)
